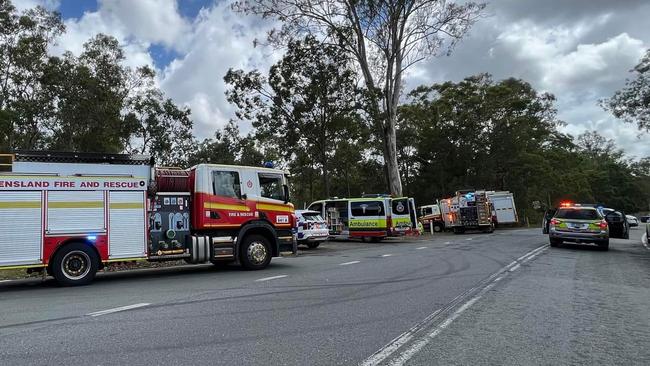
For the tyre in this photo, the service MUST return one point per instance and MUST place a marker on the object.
(75, 264)
(255, 252)
(603, 245)
(555, 242)
(437, 228)
(312, 245)
(375, 239)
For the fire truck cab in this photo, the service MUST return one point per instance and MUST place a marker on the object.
(71, 214)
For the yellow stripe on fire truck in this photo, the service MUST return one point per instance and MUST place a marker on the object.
(272, 207)
(20, 204)
(126, 205)
(225, 206)
(77, 204)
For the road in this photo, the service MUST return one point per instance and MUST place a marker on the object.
(501, 298)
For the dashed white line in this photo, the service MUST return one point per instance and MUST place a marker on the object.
(348, 263)
(469, 239)
(270, 278)
(386, 255)
(393, 347)
(421, 248)
(5, 281)
(447, 242)
(121, 308)
(645, 240)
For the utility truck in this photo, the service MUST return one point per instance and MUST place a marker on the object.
(71, 214)
(474, 212)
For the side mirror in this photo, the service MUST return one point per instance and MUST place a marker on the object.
(285, 189)
(244, 196)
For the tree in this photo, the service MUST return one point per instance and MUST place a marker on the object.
(161, 129)
(384, 37)
(308, 107)
(24, 104)
(91, 92)
(632, 103)
(227, 147)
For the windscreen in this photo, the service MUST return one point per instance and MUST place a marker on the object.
(577, 214)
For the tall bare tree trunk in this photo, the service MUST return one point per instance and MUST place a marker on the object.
(390, 157)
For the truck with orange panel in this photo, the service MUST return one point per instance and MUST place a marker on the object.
(71, 214)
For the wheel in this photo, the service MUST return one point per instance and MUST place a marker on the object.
(375, 239)
(75, 264)
(255, 252)
(555, 242)
(603, 245)
(437, 228)
(313, 245)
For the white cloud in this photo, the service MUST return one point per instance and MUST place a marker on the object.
(153, 21)
(220, 39)
(215, 41)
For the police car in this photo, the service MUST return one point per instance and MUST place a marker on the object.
(586, 224)
(312, 228)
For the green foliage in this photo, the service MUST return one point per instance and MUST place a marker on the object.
(90, 102)
(504, 136)
(308, 110)
(632, 103)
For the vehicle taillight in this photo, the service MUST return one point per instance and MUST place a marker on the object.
(555, 222)
(603, 224)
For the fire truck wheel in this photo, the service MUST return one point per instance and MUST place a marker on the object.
(437, 228)
(75, 264)
(255, 252)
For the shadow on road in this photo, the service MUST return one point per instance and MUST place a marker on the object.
(167, 273)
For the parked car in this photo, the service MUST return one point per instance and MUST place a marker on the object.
(632, 220)
(645, 219)
(312, 228)
(618, 226)
(581, 224)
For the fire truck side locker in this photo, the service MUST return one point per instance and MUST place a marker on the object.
(20, 228)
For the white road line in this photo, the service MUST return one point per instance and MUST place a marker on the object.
(447, 242)
(469, 239)
(514, 268)
(121, 308)
(270, 278)
(348, 263)
(386, 255)
(392, 348)
(645, 240)
(5, 281)
(421, 248)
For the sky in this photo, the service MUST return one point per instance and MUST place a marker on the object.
(580, 50)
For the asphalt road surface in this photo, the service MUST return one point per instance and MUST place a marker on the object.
(473, 299)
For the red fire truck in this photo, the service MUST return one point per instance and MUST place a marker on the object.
(71, 214)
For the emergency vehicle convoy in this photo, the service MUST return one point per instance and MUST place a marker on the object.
(372, 217)
(71, 214)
